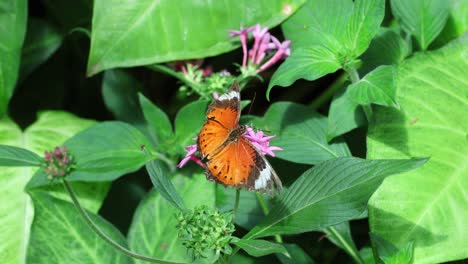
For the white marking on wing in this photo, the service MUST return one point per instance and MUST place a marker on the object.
(263, 178)
(229, 96)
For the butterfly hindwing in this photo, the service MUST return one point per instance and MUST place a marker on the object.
(239, 164)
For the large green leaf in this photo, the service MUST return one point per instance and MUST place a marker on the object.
(42, 40)
(301, 133)
(424, 19)
(152, 31)
(16, 211)
(13, 14)
(153, 231)
(327, 35)
(60, 235)
(428, 206)
(377, 87)
(332, 192)
(189, 121)
(103, 152)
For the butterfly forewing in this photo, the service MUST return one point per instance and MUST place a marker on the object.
(222, 118)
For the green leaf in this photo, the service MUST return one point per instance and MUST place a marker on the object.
(76, 242)
(344, 115)
(188, 122)
(326, 35)
(340, 235)
(163, 185)
(333, 191)
(159, 31)
(42, 40)
(432, 95)
(16, 157)
(377, 87)
(16, 210)
(301, 133)
(363, 24)
(13, 15)
(423, 19)
(258, 247)
(390, 254)
(107, 151)
(308, 63)
(157, 120)
(119, 91)
(103, 152)
(391, 42)
(297, 255)
(456, 26)
(367, 255)
(153, 230)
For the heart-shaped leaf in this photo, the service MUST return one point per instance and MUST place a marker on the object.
(76, 240)
(428, 206)
(51, 129)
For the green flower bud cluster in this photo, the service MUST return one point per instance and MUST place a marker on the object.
(205, 231)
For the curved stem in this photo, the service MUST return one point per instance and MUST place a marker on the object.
(266, 210)
(350, 249)
(328, 93)
(98, 231)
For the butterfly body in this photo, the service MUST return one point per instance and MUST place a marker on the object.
(230, 158)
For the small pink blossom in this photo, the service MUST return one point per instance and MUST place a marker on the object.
(190, 155)
(261, 141)
(264, 45)
(243, 35)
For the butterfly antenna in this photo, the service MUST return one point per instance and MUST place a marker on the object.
(251, 103)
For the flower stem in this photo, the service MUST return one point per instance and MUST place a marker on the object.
(106, 238)
(329, 92)
(265, 210)
(351, 250)
(236, 202)
(354, 76)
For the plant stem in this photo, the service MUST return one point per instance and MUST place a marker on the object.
(106, 238)
(328, 93)
(351, 250)
(354, 77)
(265, 210)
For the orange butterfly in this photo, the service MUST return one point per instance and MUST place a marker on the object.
(229, 157)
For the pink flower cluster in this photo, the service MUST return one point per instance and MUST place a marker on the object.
(259, 140)
(58, 162)
(264, 45)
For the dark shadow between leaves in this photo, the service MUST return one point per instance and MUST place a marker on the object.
(425, 238)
